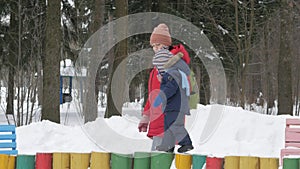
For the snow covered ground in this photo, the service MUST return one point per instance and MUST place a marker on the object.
(239, 132)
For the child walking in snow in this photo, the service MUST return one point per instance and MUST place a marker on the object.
(152, 117)
(173, 95)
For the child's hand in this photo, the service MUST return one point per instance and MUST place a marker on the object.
(143, 125)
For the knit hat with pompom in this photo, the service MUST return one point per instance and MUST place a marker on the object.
(161, 35)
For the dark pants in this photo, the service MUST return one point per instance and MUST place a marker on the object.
(175, 130)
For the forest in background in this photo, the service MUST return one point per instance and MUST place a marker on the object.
(257, 42)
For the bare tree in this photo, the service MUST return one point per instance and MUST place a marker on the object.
(12, 60)
(269, 73)
(51, 64)
(285, 101)
(91, 112)
(114, 107)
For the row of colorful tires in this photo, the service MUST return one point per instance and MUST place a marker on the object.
(138, 160)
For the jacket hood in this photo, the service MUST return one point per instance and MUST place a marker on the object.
(181, 65)
(180, 48)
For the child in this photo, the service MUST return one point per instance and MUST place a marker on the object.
(174, 94)
(175, 105)
(153, 118)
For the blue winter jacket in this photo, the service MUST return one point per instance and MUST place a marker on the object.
(173, 94)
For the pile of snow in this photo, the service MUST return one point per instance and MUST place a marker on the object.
(239, 132)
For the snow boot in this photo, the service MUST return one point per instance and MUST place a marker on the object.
(185, 148)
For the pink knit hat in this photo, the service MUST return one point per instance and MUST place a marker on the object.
(161, 35)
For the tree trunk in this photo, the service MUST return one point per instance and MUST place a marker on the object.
(243, 49)
(10, 92)
(132, 91)
(91, 112)
(285, 101)
(40, 37)
(239, 55)
(197, 72)
(268, 80)
(13, 38)
(51, 65)
(114, 105)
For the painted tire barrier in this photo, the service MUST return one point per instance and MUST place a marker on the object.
(183, 161)
(237, 162)
(290, 163)
(198, 161)
(61, 160)
(100, 160)
(269, 163)
(160, 160)
(80, 160)
(25, 162)
(7, 161)
(232, 162)
(121, 161)
(249, 162)
(43, 161)
(141, 160)
(214, 163)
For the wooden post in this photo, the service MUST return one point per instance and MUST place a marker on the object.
(269, 163)
(7, 161)
(232, 162)
(100, 160)
(43, 161)
(141, 160)
(249, 162)
(214, 163)
(198, 161)
(183, 161)
(61, 160)
(25, 162)
(80, 160)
